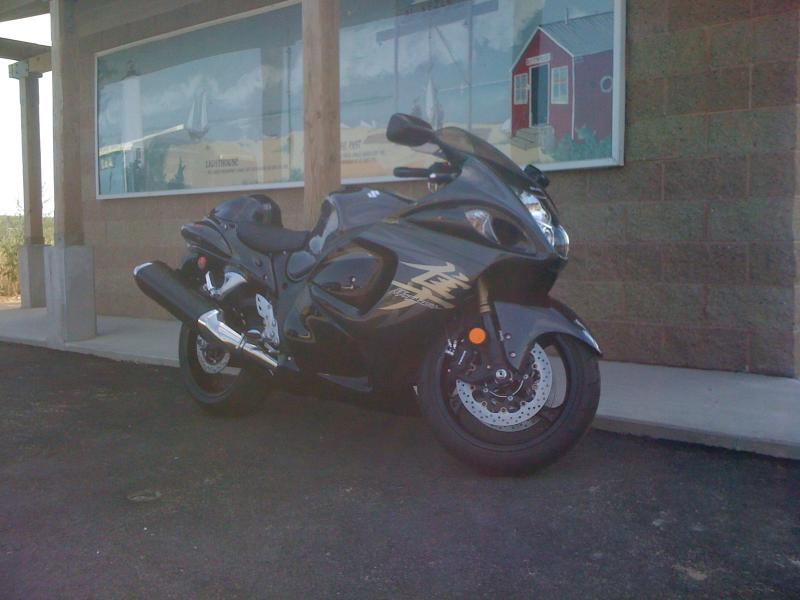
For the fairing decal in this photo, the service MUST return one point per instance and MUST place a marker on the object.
(434, 288)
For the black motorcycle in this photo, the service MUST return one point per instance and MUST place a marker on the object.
(446, 296)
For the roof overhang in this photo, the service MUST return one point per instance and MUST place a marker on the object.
(19, 9)
(17, 50)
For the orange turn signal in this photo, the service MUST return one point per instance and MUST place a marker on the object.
(477, 336)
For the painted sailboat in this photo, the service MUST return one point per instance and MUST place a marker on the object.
(197, 120)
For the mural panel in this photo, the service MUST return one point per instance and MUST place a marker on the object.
(540, 79)
(215, 107)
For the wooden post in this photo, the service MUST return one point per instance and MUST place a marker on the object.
(31, 152)
(321, 138)
(31, 253)
(69, 264)
(66, 135)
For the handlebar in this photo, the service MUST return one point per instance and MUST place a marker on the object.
(411, 172)
(438, 173)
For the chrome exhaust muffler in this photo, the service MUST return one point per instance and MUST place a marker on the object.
(212, 327)
(167, 288)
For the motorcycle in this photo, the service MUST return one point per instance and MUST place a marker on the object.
(446, 296)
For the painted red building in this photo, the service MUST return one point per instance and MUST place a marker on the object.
(562, 81)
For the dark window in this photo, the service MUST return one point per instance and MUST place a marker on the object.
(540, 95)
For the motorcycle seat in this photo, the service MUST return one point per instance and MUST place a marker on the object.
(266, 239)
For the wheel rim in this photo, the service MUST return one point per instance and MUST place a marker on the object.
(544, 403)
(520, 416)
(211, 367)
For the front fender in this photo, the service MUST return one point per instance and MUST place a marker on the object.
(525, 324)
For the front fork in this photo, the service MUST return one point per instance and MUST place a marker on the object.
(494, 341)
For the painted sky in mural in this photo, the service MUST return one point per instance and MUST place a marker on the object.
(415, 57)
(219, 106)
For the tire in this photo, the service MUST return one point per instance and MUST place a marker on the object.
(238, 395)
(518, 452)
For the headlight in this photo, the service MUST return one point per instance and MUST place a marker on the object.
(562, 242)
(540, 215)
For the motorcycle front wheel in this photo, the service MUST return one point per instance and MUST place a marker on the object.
(551, 409)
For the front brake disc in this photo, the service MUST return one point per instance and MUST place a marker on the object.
(504, 420)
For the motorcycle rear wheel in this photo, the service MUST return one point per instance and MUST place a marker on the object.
(524, 448)
(232, 392)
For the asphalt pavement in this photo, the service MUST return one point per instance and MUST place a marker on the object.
(113, 485)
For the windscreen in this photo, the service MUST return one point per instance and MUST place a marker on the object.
(455, 138)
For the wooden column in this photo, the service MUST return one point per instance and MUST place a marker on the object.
(321, 139)
(31, 253)
(31, 152)
(66, 117)
(69, 264)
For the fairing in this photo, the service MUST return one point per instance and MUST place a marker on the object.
(530, 322)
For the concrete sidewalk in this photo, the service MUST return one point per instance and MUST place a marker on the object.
(739, 411)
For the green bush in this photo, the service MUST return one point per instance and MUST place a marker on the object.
(586, 147)
(11, 238)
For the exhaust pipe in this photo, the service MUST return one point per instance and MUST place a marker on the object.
(168, 289)
(211, 324)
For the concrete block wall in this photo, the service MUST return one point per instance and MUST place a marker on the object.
(685, 256)
(688, 255)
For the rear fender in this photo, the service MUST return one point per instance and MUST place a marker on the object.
(205, 236)
(527, 323)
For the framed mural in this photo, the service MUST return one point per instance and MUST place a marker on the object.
(541, 79)
(219, 106)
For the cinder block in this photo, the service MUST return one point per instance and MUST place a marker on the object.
(774, 352)
(637, 181)
(716, 90)
(774, 263)
(770, 7)
(594, 222)
(751, 220)
(645, 98)
(774, 175)
(667, 54)
(673, 136)
(665, 222)
(687, 94)
(568, 186)
(727, 89)
(751, 307)
(596, 262)
(720, 178)
(775, 84)
(731, 44)
(642, 262)
(632, 342)
(705, 263)
(701, 348)
(730, 133)
(667, 303)
(593, 300)
(646, 17)
(684, 14)
(775, 37)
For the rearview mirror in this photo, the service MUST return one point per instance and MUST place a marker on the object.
(534, 173)
(408, 130)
